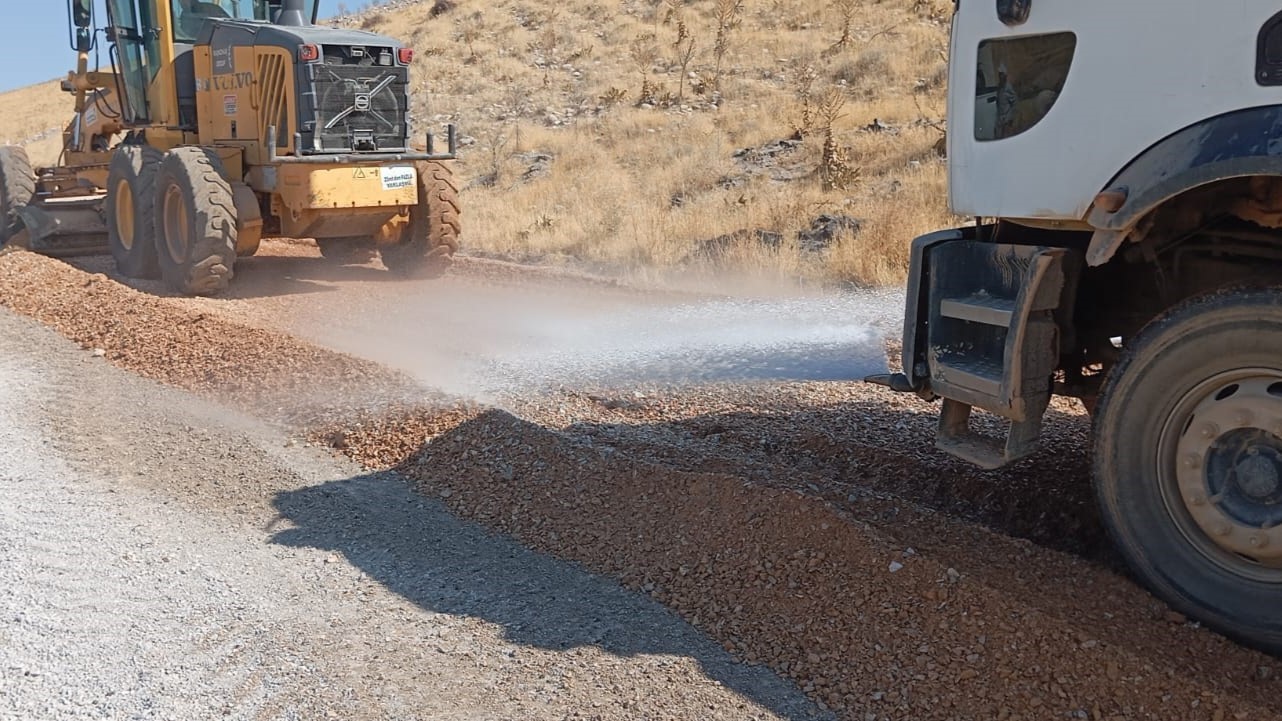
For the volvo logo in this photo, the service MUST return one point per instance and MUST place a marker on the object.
(361, 102)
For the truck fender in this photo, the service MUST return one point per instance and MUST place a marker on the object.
(1244, 143)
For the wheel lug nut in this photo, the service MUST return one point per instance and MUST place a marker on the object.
(1192, 460)
(1210, 430)
(1258, 541)
(1242, 418)
(1223, 529)
(1197, 499)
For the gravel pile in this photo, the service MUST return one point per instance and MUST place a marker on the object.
(879, 610)
(804, 526)
(271, 373)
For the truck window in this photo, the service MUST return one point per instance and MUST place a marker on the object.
(1018, 82)
(1013, 12)
(1268, 60)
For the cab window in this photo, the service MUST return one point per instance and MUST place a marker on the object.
(1018, 81)
(190, 15)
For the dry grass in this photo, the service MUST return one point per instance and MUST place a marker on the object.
(36, 117)
(643, 172)
(641, 187)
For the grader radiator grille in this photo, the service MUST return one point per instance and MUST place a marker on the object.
(361, 107)
(273, 103)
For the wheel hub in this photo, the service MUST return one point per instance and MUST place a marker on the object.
(125, 214)
(1229, 467)
(176, 224)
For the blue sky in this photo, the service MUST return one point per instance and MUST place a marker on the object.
(34, 45)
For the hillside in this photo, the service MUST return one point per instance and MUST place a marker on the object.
(36, 118)
(642, 137)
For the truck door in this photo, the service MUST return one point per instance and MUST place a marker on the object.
(132, 56)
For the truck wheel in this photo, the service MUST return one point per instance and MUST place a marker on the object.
(131, 210)
(1188, 461)
(17, 188)
(431, 237)
(195, 222)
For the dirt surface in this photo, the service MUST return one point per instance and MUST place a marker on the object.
(801, 521)
(163, 557)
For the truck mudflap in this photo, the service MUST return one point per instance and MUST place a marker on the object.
(980, 331)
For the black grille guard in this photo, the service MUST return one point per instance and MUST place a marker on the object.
(362, 100)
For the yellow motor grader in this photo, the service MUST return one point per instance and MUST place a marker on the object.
(223, 121)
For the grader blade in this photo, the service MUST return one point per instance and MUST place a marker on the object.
(63, 228)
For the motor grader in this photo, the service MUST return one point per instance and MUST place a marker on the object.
(223, 121)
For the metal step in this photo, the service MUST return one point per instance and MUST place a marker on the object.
(985, 309)
(956, 437)
(979, 374)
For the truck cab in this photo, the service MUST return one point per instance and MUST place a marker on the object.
(1126, 251)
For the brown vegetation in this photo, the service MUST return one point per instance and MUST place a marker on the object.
(636, 109)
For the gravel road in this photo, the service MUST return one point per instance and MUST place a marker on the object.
(806, 525)
(165, 558)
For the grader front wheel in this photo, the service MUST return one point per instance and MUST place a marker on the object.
(195, 222)
(1188, 461)
(130, 210)
(430, 239)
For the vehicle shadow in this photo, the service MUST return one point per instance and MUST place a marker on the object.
(415, 547)
(691, 521)
(864, 448)
(276, 275)
(259, 276)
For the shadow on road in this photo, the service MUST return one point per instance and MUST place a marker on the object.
(864, 447)
(274, 275)
(259, 276)
(419, 550)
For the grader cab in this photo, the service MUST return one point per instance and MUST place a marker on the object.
(221, 122)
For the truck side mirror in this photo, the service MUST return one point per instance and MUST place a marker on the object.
(1014, 12)
(82, 20)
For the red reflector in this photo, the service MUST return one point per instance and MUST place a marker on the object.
(405, 55)
(1111, 201)
(308, 53)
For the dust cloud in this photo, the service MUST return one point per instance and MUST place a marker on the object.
(489, 342)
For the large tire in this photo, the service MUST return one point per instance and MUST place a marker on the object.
(131, 210)
(17, 188)
(195, 222)
(431, 238)
(1188, 461)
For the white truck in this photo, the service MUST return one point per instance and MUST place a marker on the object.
(1123, 162)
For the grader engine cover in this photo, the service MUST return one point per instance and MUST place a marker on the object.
(333, 91)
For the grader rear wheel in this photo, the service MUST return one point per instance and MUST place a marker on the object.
(195, 223)
(1188, 461)
(17, 187)
(131, 210)
(431, 238)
